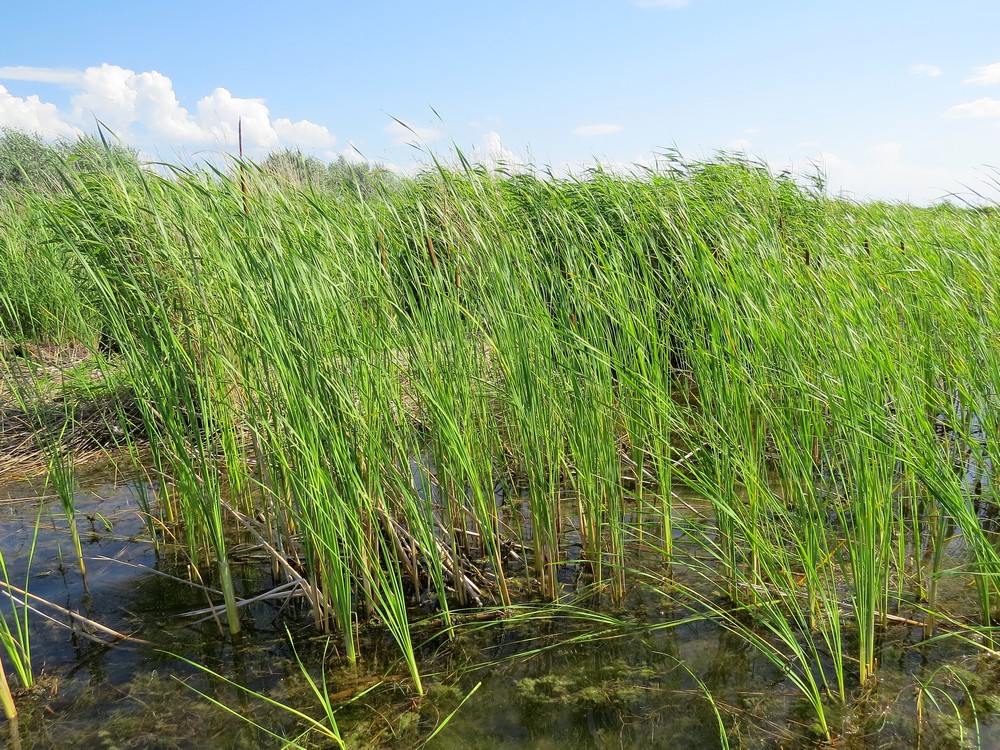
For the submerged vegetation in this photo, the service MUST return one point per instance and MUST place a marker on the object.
(456, 395)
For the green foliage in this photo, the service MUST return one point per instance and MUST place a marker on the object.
(350, 177)
(26, 161)
(361, 364)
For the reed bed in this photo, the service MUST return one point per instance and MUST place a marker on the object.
(421, 390)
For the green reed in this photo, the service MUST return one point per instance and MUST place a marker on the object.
(363, 371)
(15, 636)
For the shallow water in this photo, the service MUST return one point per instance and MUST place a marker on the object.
(543, 683)
(94, 688)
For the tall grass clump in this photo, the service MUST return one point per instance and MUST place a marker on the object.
(459, 389)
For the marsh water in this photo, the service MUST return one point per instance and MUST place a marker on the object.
(628, 681)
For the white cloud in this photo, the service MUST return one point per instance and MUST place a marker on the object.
(33, 115)
(493, 154)
(109, 95)
(220, 114)
(740, 144)
(883, 172)
(985, 107)
(121, 98)
(600, 129)
(304, 133)
(988, 75)
(158, 109)
(142, 106)
(923, 70)
(407, 134)
(662, 3)
(39, 75)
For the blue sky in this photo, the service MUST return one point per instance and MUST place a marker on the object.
(894, 99)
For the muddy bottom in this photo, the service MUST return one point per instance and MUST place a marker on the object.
(635, 679)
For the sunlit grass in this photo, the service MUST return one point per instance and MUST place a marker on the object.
(407, 384)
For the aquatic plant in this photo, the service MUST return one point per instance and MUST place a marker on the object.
(421, 393)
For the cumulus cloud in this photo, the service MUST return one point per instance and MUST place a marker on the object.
(33, 115)
(304, 133)
(109, 93)
(988, 75)
(981, 108)
(923, 70)
(143, 106)
(588, 131)
(157, 108)
(220, 114)
(403, 135)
